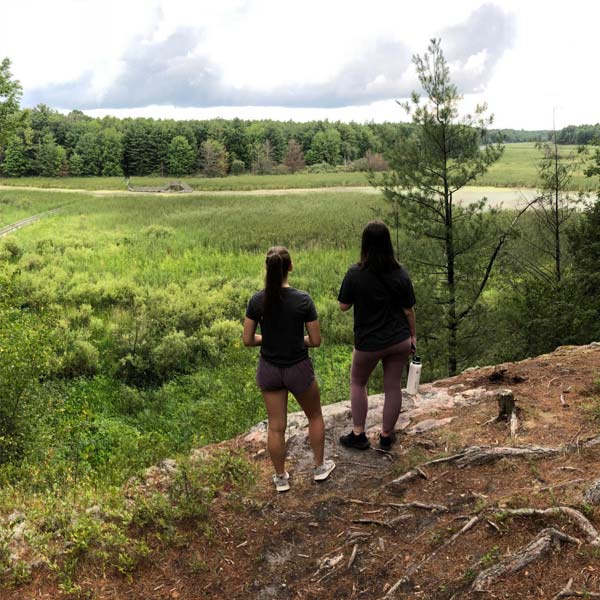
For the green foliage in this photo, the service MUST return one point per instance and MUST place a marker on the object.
(76, 166)
(213, 158)
(442, 155)
(325, 147)
(15, 162)
(25, 358)
(50, 157)
(181, 157)
(10, 94)
(237, 167)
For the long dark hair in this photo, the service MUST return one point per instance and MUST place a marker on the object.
(376, 250)
(278, 264)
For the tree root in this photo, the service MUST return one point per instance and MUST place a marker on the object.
(579, 519)
(568, 592)
(481, 455)
(417, 566)
(401, 481)
(538, 547)
(420, 505)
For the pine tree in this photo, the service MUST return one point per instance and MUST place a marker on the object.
(49, 157)
(442, 155)
(181, 157)
(16, 163)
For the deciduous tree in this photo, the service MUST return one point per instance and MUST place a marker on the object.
(294, 158)
(10, 95)
(213, 158)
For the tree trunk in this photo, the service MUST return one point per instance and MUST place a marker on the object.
(452, 322)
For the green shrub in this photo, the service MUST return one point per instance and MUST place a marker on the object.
(237, 167)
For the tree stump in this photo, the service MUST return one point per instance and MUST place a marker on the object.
(506, 404)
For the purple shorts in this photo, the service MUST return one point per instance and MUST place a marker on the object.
(297, 378)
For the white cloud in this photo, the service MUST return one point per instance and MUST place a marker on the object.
(267, 50)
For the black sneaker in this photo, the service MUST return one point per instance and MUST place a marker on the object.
(386, 441)
(351, 440)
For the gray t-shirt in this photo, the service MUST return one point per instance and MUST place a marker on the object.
(283, 330)
(379, 300)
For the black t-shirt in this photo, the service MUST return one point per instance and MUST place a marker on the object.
(379, 300)
(283, 330)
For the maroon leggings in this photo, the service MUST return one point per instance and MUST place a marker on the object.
(394, 360)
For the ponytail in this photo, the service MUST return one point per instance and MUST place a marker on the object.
(278, 264)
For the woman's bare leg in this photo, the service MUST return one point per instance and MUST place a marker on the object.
(276, 403)
(310, 401)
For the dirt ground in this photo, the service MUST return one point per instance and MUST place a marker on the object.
(344, 538)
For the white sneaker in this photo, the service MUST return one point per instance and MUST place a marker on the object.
(281, 482)
(322, 471)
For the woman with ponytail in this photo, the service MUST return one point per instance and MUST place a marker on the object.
(283, 313)
(383, 298)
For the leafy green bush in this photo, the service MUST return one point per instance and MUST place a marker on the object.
(237, 167)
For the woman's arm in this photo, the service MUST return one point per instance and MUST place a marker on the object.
(313, 339)
(411, 317)
(344, 307)
(250, 337)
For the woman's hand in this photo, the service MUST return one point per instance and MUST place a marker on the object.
(413, 344)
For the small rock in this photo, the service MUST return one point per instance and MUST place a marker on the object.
(15, 517)
(428, 425)
(457, 387)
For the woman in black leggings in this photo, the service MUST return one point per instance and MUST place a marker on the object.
(383, 298)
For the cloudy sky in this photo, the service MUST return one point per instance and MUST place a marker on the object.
(284, 59)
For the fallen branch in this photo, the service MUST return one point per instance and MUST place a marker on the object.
(560, 485)
(390, 524)
(353, 555)
(421, 505)
(537, 548)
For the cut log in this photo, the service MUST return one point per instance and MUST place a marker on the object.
(537, 548)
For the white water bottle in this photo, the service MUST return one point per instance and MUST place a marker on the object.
(414, 376)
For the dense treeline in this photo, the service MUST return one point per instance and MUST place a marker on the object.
(579, 134)
(48, 143)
